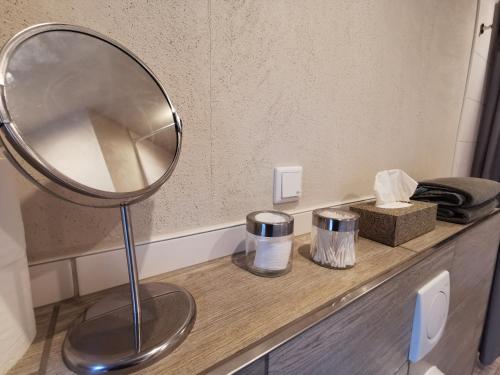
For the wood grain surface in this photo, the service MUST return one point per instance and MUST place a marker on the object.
(235, 308)
(442, 232)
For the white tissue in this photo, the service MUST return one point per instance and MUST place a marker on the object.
(393, 188)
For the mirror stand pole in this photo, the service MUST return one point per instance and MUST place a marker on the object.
(114, 336)
(133, 274)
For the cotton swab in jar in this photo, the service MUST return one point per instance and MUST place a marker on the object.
(334, 235)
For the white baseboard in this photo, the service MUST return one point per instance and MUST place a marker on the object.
(51, 282)
(54, 281)
(100, 271)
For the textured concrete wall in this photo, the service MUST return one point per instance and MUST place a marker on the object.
(343, 88)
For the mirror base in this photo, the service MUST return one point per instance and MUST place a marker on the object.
(103, 339)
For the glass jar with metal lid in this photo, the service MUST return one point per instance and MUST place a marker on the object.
(269, 243)
(334, 236)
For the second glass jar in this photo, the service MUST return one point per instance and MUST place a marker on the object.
(334, 236)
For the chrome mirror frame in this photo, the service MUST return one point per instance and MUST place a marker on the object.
(20, 152)
(128, 338)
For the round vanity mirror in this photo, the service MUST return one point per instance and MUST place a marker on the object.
(86, 120)
(87, 114)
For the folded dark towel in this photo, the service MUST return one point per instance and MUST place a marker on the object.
(460, 199)
(465, 215)
(461, 192)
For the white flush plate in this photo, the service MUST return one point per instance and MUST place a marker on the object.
(287, 184)
(431, 313)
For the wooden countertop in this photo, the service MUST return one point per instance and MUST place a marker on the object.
(238, 312)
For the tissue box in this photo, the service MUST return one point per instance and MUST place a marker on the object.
(394, 226)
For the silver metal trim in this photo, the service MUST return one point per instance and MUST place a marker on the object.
(335, 225)
(260, 228)
(10, 132)
(178, 122)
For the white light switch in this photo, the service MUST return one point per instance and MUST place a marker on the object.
(431, 313)
(287, 184)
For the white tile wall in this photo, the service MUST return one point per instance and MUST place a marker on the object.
(469, 121)
(476, 78)
(51, 282)
(474, 92)
(464, 155)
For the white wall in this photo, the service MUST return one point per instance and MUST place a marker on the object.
(17, 322)
(474, 94)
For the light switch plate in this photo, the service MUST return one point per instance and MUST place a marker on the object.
(431, 313)
(287, 184)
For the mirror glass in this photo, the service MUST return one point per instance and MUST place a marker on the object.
(90, 112)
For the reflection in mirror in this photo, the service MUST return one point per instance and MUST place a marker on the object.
(90, 112)
(85, 120)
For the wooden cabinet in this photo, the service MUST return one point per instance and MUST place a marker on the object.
(259, 367)
(471, 276)
(372, 335)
